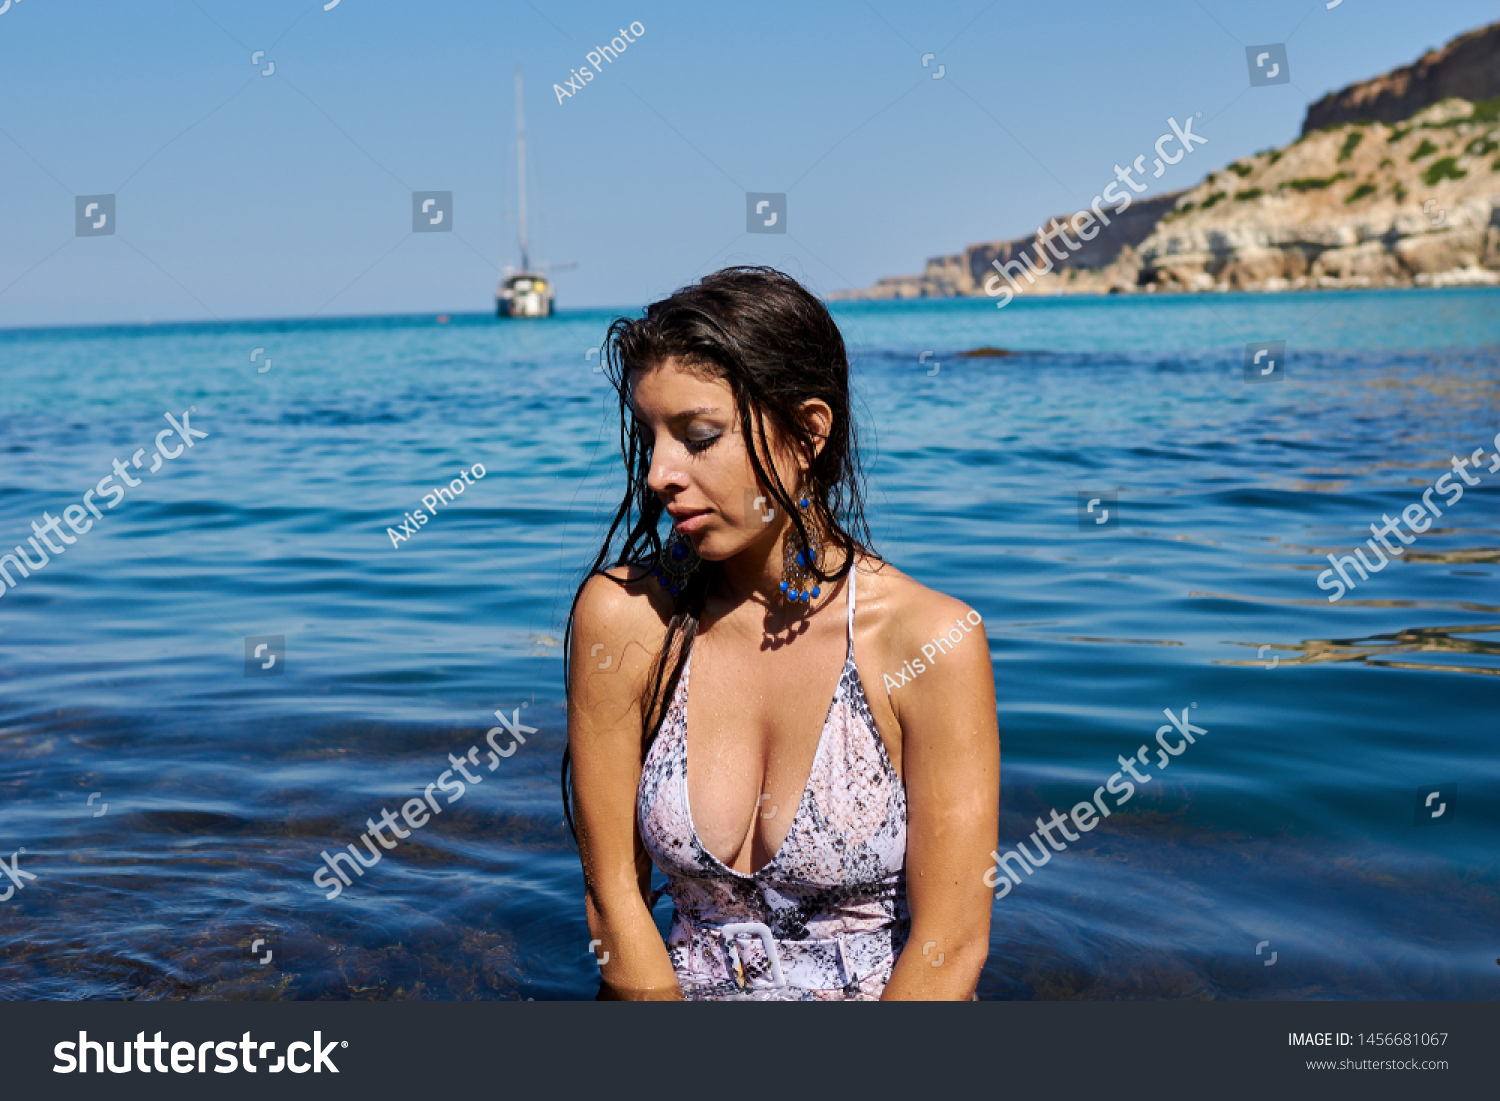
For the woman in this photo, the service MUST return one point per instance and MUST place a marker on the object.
(809, 842)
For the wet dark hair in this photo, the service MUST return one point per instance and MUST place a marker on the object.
(776, 346)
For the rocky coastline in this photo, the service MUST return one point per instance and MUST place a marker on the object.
(1394, 181)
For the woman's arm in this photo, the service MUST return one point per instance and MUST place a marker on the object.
(604, 734)
(951, 754)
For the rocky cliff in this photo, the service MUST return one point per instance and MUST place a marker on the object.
(1092, 267)
(1394, 188)
(1467, 68)
(1358, 205)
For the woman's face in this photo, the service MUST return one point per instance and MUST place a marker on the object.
(700, 467)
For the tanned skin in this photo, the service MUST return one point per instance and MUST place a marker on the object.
(764, 672)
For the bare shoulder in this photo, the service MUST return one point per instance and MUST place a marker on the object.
(619, 610)
(617, 598)
(906, 613)
(933, 655)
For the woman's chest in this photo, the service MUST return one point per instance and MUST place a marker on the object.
(754, 726)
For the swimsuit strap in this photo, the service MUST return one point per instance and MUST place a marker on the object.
(852, 571)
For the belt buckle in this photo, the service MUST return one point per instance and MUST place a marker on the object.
(754, 928)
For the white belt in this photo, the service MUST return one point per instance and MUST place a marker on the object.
(783, 971)
(758, 929)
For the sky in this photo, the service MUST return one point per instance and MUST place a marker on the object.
(282, 186)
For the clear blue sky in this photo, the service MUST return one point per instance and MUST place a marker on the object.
(292, 195)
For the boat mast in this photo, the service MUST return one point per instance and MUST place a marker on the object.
(521, 170)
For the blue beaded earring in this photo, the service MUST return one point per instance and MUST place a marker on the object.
(797, 561)
(676, 563)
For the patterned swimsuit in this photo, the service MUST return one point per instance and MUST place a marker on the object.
(827, 917)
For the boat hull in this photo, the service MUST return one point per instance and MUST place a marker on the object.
(524, 295)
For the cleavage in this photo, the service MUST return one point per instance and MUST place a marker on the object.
(752, 743)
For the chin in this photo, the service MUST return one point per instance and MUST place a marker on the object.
(716, 546)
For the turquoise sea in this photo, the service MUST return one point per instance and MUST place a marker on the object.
(171, 792)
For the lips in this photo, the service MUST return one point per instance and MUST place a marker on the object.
(688, 520)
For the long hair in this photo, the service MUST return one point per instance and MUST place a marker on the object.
(776, 346)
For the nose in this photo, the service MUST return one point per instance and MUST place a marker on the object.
(664, 474)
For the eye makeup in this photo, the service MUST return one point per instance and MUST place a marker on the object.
(699, 444)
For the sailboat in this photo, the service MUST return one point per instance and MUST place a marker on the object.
(527, 292)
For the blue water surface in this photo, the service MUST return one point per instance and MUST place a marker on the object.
(1289, 828)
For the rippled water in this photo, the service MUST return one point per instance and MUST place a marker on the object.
(123, 661)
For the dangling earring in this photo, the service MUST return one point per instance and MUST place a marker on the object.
(796, 565)
(676, 563)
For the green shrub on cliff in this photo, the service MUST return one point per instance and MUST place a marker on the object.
(1480, 112)
(1360, 192)
(1486, 110)
(1445, 169)
(1426, 149)
(1351, 143)
(1316, 183)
